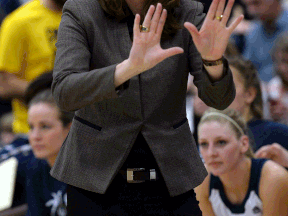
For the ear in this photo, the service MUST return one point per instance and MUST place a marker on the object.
(251, 93)
(244, 143)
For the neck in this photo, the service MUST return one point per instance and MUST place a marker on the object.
(238, 178)
(247, 114)
(51, 160)
(135, 6)
(50, 4)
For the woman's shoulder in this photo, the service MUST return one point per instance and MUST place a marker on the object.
(272, 175)
(270, 167)
(85, 7)
(202, 190)
(273, 189)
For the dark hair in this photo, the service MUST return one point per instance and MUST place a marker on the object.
(118, 9)
(39, 91)
(249, 74)
(42, 82)
(45, 96)
(234, 115)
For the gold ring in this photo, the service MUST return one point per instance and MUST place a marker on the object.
(219, 17)
(144, 28)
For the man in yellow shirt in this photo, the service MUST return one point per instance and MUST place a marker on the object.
(27, 49)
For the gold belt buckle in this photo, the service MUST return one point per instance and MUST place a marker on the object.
(130, 174)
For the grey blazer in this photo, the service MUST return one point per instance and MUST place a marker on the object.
(107, 121)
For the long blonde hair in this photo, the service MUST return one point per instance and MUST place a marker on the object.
(235, 121)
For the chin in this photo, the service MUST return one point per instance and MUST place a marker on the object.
(217, 171)
(40, 155)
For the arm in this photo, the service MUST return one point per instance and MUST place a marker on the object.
(273, 189)
(75, 85)
(210, 38)
(11, 86)
(274, 152)
(202, 195)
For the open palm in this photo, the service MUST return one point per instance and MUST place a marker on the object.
(146, 51)
(212, 39)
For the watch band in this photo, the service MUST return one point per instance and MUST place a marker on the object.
(213, 63)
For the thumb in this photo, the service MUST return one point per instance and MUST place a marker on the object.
(192, 29)
(171, 51)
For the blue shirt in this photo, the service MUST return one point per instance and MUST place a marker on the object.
(9, 5)
(267, 132)
(21, 150)
(45, 194)
(258, 45)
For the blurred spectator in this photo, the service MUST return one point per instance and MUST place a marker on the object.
(231, 52)
(278, 86)
(27, 49)
(48, 130)
(237, 183)
(6, 132)
(20, 147)
(272, 20)
(249, 102)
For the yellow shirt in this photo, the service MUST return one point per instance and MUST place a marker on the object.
(27, 48)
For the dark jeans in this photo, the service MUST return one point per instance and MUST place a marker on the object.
(122, 198)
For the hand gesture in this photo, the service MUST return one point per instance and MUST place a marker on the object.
(212, 39)
(146, 51)
(274, 152)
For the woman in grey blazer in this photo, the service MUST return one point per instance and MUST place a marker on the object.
(130, 150)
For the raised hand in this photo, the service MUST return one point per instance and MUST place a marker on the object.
(274, 152)
(212, 39)
(146, 51)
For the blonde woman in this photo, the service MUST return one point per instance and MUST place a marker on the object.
(237, 183)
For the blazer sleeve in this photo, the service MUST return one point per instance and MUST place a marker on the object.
(74, 85)
(219, 94)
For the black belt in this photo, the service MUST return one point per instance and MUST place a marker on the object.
(138, 175)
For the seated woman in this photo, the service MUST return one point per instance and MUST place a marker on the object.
(48, 130)
(237, 183)
(249, 102)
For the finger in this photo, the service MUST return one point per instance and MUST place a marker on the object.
(259, 153)
(220, 8)
(277, 145)
(212, 10)
(170, 52)
(235, 23)
(136, 29)
(156, 18)
(262, 150)
(161, 23)
(227, 11)
(193, 30)
(148, 17)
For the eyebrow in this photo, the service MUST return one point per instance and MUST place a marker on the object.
(218, 137)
